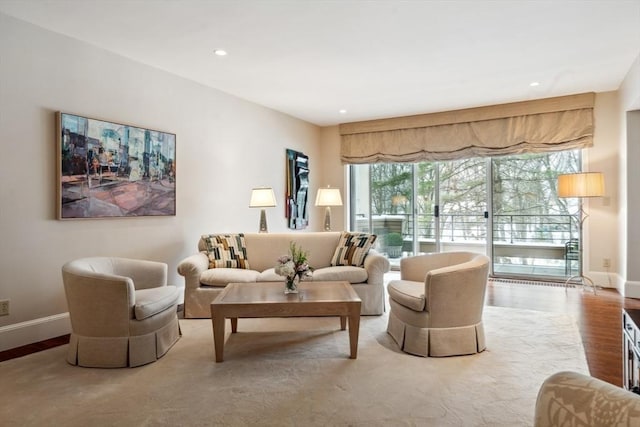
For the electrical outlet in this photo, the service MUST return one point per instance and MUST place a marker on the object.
(606, 262)
(4, 307)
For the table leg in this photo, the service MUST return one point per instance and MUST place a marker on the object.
(234, 325)
(218, 321)
(343, 322)
(354, 329)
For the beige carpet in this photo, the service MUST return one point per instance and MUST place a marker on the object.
(296, 372)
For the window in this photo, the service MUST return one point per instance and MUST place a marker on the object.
(506, 207)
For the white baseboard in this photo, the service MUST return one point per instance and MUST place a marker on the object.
(606, 280)
(631, 289)
(32, 331)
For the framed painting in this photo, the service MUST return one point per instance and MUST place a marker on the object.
(110, 170)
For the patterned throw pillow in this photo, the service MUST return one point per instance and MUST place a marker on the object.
(353, 249)
(226, 251)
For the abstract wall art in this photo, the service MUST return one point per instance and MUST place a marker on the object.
(297, 211)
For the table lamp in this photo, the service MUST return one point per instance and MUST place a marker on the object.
(328, 197)
(262, 197)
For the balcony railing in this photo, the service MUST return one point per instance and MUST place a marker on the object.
(518, 239)
(513, 228)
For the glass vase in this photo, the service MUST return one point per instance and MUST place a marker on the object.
(291, 285)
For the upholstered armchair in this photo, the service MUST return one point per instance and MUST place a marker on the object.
(122, 311)
(573, 399)
(436, 306)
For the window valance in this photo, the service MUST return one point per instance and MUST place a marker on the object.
(543, 125)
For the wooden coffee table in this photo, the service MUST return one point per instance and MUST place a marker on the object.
(267, 299)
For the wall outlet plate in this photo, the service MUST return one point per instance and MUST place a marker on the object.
(4, 307)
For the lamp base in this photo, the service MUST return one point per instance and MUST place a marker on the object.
(263, 221)
(327, 219)
(583, 280)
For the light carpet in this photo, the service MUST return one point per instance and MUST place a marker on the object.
(296, 372)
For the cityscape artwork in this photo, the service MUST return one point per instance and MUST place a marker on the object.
(111, 170)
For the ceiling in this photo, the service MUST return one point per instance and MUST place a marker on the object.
(375, 59)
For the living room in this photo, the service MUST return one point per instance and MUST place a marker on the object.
(225, 146)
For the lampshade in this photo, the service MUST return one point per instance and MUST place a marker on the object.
(328, 197)
(585, 184)
(262, 197)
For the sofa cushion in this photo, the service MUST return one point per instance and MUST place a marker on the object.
(269, 275)
(155, 300)
(407, 293)
(347, 273)
(353, 249)
(223, 276)
(226, 251)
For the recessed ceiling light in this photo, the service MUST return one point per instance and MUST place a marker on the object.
(220, 52)
(343, 111)
(534, 84)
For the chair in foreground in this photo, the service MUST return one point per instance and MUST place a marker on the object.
(122, 311)
(436, 306)
(573, 399)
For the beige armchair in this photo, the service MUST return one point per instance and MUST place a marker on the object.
(122, 311)
(436, 306)
(573, 399)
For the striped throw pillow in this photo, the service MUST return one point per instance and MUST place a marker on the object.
(353, 249)
(226, 251)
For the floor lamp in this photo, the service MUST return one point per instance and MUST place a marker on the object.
(328, 197)
(579, 186)
(262, 197)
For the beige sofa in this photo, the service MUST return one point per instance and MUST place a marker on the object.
(572, 399)
(203, 284)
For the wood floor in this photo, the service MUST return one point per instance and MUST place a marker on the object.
(598, 317)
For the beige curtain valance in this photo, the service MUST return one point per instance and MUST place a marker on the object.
(544, 125)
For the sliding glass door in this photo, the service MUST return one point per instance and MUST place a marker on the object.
(463, 205)
(382, 203)
(505, 207)
(532, 228)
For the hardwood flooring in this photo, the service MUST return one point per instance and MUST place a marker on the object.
(33, 348)
(598, 317)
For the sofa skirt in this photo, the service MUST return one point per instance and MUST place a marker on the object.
(435, 342)
(120, 352)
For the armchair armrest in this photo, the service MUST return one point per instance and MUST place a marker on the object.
(462, 286)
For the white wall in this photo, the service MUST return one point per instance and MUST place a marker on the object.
(629, 230)
(603, 212)
(225, 146)
(333, 172)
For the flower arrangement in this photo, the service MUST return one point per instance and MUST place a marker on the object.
(294, 267)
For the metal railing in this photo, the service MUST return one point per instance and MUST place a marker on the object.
(523, 245)
(512, 228)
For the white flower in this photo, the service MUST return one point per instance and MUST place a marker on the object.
(288, 269)
(294, 264)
